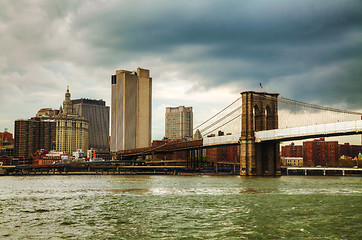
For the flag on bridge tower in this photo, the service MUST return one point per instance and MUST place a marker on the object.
(261, 86)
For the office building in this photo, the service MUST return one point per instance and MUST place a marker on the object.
(97, 113)
(131, 109)
(32, 135)
(71, 129)
(179, 123)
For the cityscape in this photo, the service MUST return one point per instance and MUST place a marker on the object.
(79, 132)
(180, 119)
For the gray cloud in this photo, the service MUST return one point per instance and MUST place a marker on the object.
(272, 39)
(306, 50)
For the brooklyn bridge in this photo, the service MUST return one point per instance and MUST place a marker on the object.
(258, 122)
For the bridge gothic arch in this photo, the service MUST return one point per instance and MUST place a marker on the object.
(257, 118)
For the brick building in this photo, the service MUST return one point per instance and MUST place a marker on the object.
(224, 154)
(32, 135)
(350, 150)
(6, 160)
(168, 156)
(7, 137)
(292, 150)
(320, 153)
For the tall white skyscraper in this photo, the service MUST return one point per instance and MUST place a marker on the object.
(131, 109)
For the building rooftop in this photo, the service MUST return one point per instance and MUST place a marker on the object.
(99, 102)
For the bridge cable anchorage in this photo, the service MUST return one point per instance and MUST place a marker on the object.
(217, 113)
(239, 115)
(221, 119)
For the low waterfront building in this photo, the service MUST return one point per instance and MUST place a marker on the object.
(44, 157)
(6, 138)
(292, 161)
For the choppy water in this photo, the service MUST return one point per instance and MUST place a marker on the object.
(180, 207)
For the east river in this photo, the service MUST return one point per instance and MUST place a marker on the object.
(180, 207)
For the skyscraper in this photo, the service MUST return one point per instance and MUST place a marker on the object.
(97, 113)
(72, 129)
(179, 122)
(131, 109)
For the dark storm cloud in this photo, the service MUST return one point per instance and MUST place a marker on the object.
(317, 44)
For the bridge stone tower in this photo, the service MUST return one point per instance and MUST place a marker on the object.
(259, 112)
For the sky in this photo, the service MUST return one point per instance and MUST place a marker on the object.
(199, 53)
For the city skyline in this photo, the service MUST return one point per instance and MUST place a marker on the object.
(308, 51)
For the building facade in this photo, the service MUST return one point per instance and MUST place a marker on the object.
(32, 135)
(97, 113)
(131, 109)
(71, 129)
(230, 154)
(179, 123)
(6, 137)
(348, 150)
(321, 153)
(292, 161)
(292, 150)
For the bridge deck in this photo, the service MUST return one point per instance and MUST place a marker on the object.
(320, 130)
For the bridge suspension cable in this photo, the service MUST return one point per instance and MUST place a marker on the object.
(294, 113)
(217, 113)
(239, 115)
(310, 105)
(221, 119)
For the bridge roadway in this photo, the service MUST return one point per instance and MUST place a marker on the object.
(312, 131)
(292, 134)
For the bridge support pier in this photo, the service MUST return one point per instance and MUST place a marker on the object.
(259, 112)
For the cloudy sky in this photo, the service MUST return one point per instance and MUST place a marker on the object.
(200, 53)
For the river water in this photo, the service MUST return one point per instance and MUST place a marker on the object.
(180, 207)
